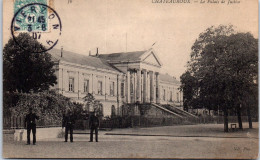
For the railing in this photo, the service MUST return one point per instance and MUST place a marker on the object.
(13, 122)
(124, 122)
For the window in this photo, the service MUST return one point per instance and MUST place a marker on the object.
(86, 85)
(113, 111)
(177, 97)
(71, 84)
(131, 85)
(112, 88)
(122, 89)
(170, 96)
(100, 87)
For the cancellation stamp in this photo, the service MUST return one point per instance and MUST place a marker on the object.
(39, 20)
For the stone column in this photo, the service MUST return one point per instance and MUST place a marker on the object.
(134, 87)
(151, 87)
(138, 86)
(158, 93)
(90, 88)
(128, 87)
(144, 85)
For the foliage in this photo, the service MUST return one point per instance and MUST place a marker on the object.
(144, 109)
(189, 89)
(49, 105)
(25, 71)
(223, 69)
(92, 105)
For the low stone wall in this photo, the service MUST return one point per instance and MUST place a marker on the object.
(41, 133)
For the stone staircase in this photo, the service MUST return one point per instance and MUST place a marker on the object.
(179, 111)
(167, 110)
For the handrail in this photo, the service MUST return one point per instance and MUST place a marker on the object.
(166, 110)
(183, 111)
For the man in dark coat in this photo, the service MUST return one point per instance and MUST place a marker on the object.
(94, 125)
(30, 124)
(68, 122)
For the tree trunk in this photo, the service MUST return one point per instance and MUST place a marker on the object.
(225, 120)
(249, 117)
(239, 116)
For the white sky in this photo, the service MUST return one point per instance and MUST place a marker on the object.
(88, 24)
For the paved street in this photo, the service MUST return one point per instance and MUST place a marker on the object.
(190, 141)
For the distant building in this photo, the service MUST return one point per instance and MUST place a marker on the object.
(116, 80)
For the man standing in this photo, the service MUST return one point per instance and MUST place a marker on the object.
(94, 125)
(30, 124)
(68, 122)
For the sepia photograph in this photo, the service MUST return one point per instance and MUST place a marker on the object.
(168, 79)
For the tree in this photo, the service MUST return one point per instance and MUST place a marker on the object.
(92, 105)
(224, 64)
(25, 71)
(189, 89)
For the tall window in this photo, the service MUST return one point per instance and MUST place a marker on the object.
(171, 96)
(178, 97)
(112, 88)
(122, 89)
(113, 111)
(131, 85)
(100, 87)
(71, 84)
(86, 85)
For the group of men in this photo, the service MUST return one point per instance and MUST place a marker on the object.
(68, 122)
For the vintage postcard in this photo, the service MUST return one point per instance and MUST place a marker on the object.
(171, 79)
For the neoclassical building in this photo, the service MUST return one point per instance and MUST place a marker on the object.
(116, 80)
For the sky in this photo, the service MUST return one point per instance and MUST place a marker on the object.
(134, 25)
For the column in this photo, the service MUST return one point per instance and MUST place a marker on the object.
(117, 93)
(62, 80)
(134, 87)
(144, 85)
(141, 88)
(158, 94)
(93, 84)
(148, 88)
(118, 84)
(90, 88)
(65, 80)
(78, 85)
(151, 87)
(104, 86)
(138, 87)
(128, 87)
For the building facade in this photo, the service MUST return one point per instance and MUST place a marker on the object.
(116, 80)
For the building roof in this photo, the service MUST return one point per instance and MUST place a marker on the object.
(81, 59)
(168, 78)
(123, 56)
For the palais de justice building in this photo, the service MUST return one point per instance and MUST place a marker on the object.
(116, 80)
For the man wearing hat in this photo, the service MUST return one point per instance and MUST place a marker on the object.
(94, 125)
(30, 124)
(68, 122)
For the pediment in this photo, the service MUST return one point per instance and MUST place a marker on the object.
(151, 58)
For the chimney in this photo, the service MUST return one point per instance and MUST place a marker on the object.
(89, 53)
(97, 52)
(61, 51)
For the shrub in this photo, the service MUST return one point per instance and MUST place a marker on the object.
(49, 106)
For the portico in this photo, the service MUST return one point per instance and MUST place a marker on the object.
(143, 86)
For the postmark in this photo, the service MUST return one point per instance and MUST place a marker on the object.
(40, 21)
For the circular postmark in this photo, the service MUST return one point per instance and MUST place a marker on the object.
(40, 21)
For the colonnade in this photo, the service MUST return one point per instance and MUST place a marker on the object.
(142, 86)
